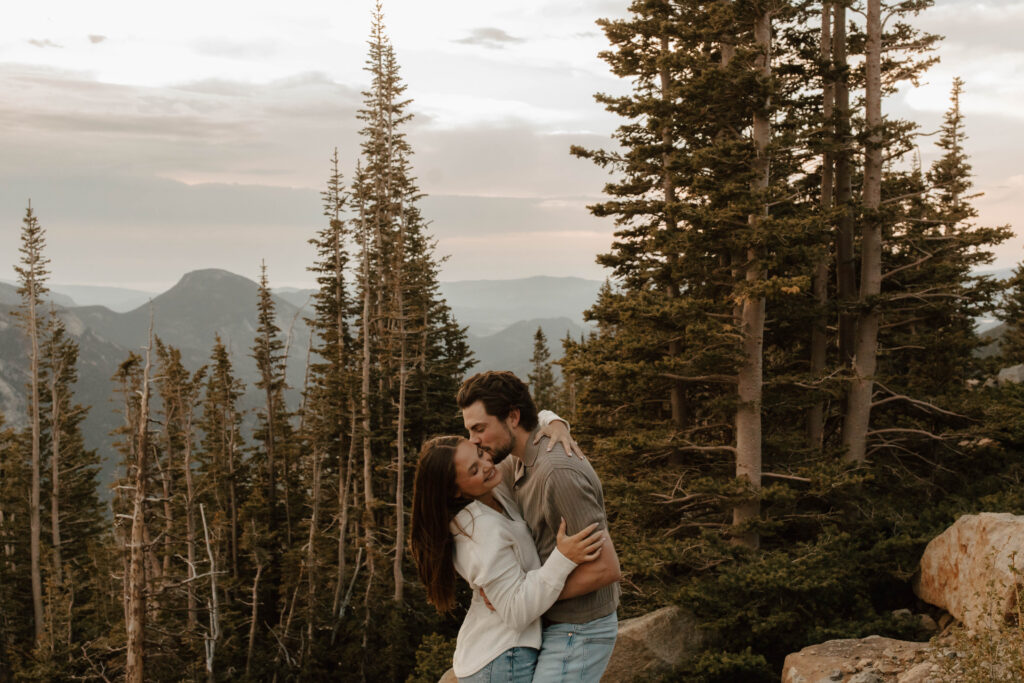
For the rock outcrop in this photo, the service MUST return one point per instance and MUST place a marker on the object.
(968, 569)
(866, 660)
(1011, 375)
(652, 643)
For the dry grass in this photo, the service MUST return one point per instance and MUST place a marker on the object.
(990, 655)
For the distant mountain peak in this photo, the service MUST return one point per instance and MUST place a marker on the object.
(211, 275)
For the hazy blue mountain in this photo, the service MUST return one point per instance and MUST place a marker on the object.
(119, 299)
(300, 298)
(512, 347)
(200, 306)
(9, 296)
(488, 306)
(502, 316)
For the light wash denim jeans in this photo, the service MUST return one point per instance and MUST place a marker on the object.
(514, 665)
(576, 652)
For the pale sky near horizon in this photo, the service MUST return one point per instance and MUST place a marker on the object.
(155, 139)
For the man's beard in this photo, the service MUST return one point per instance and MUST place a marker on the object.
(502, 451)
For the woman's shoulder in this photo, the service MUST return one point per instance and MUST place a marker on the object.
(467, 520)
(476, 524)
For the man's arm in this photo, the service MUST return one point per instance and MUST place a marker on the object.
(577, 499)
(590, 576)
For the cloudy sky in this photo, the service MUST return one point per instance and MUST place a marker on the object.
(158, 138)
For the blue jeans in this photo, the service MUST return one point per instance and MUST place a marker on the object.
(514, 665)
(576, 652)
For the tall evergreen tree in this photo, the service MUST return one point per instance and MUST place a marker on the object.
(329, 417)
(543, 387)
(75, 596)
(697, 250)
(32, 273)
(221, 467)
(271, 512)
(15, 594)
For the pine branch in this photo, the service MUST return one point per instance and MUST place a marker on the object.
(721, 379)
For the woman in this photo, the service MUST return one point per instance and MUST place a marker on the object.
(462, 521)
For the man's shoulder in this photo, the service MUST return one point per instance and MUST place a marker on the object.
(557, 462)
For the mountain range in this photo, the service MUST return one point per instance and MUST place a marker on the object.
(501, 315)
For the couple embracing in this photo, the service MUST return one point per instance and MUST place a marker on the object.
(521, 519)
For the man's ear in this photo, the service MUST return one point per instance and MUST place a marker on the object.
(513, 418)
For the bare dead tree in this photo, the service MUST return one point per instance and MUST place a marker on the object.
(135, 625)
(213, 606)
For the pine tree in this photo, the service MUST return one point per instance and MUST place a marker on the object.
(32, 274)
(698, 251)
(136, 580)
(179, 390)
(74, 596)
(220, 465)
(15, 593)
(543, 387)
(404, 362)
(271, 511)
(329, 418)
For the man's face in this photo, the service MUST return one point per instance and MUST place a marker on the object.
(488, 432)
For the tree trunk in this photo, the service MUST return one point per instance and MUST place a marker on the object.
(35, 525)
(403, 381)
(344, 486)
(271, 447)
(232, 494)
(677, 389)
(210, 642)
(751, 376)
(846, 272)
(858, 410)
(314, 520)
(165, 481)
(369, 527)
(55, 432)
(253, 620)
(136, 622)
(190, 518)
(819, 334)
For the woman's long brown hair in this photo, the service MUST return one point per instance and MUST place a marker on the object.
(434, 505)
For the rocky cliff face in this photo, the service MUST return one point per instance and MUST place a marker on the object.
(973, 571)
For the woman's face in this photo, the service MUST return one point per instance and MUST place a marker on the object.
(475, 474)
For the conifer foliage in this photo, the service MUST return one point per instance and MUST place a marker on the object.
(743, 409)
(782, 391)
(238, 553)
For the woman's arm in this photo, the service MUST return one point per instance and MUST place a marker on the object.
(557, 431)
(521, 597)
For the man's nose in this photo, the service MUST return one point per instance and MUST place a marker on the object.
(474, 439)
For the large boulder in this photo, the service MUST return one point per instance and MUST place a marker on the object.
(1011, 375)
(652, 643)
(646, 645)
(866, 660)
(969, 569)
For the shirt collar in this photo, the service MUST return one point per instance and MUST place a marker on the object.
(529, 458)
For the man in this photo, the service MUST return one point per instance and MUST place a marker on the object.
(580, 629)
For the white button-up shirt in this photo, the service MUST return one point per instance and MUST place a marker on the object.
(495, 551)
